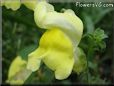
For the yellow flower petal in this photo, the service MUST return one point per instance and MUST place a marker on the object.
(14, 5)
(56, 51)
(45, 17)
(18, 73)
(19, 63)
(60, 62)
(34, 59)
(31, 4)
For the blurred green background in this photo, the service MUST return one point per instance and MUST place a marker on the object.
(20, 32)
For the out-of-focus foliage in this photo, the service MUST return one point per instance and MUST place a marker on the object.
(20, 31)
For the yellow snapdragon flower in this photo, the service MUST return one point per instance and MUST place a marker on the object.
(58, 45)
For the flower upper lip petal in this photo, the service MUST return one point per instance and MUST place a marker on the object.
(45, 17)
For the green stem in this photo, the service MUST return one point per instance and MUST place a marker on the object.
(89, 55)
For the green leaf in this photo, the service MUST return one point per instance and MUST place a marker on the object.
(88, 23)
(95, 40)
(24, 53)
(101, 12)
(99, 34)
(98, 37)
